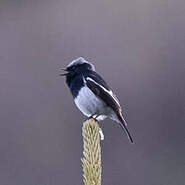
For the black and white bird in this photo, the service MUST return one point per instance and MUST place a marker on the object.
(91, 94)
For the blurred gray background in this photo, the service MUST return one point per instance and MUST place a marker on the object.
(137, 46)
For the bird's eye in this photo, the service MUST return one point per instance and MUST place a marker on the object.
(72, 68)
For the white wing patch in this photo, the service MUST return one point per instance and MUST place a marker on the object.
(108, 91)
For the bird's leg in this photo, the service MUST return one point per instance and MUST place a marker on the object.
(94, 116)
(91, 117)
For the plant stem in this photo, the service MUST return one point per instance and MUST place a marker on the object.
(91, 161)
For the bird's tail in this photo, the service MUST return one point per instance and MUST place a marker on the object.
(123, 125)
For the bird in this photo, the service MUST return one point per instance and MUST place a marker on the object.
(91, 94)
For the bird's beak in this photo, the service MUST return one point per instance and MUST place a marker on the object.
(63, 74)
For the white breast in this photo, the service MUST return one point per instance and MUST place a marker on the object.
(88, 103)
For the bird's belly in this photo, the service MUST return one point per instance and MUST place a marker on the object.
(88, 103)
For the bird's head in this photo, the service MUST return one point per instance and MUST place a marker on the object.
(77, 66)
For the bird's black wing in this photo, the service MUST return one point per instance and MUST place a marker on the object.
(102, 90)
(97, 78)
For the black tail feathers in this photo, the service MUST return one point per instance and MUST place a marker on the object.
(123, 125)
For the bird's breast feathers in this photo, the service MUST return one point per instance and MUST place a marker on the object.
(88, 103)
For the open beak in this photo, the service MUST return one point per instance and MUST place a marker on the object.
(63, 74)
